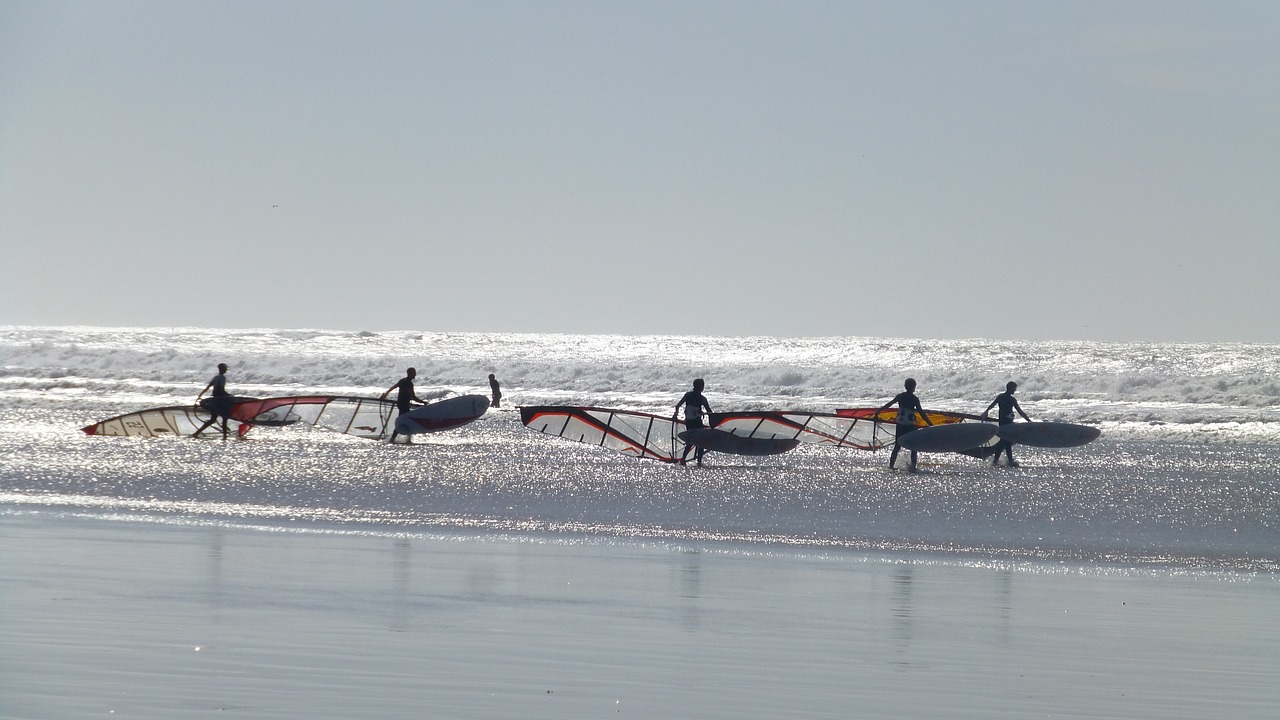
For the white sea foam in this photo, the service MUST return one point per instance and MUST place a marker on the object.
(1095, 382)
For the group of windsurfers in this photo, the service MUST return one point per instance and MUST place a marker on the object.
(909, 409)
(695, 405)
(219, 402)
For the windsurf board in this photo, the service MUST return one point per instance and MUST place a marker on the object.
(214, 403)
(949, 438)
(443, 415)
(726, 442)
(1048, 434)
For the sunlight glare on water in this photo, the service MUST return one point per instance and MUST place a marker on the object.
(1182, 476)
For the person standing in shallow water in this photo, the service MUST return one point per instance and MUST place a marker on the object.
(405, 397)
(495, 390)
(694, 403)
(219, 402)
(1007, 405)
(908, 410)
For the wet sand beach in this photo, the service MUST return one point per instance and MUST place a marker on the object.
(130, 617)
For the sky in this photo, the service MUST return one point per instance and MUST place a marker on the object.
(1081, 170)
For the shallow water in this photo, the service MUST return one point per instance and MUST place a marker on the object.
(1183, 476)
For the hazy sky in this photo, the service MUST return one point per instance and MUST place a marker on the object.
(1074, 170)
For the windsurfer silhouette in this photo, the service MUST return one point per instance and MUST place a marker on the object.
(1007, 404)
(218, 403)
(405, 398)
(908, 409)
(496, 390)
(694, 403)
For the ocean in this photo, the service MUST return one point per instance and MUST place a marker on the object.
(1183, 478)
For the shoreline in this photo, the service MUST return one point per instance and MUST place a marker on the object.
(848, 549)
(145, 619)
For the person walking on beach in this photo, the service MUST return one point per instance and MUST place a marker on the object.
(218, 403)
(694, 403)
(496, 390)
(405, 397)
(908, 410)
(1007, 405)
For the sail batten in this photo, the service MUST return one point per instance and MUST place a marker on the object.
(361, 417)
(632, 433)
